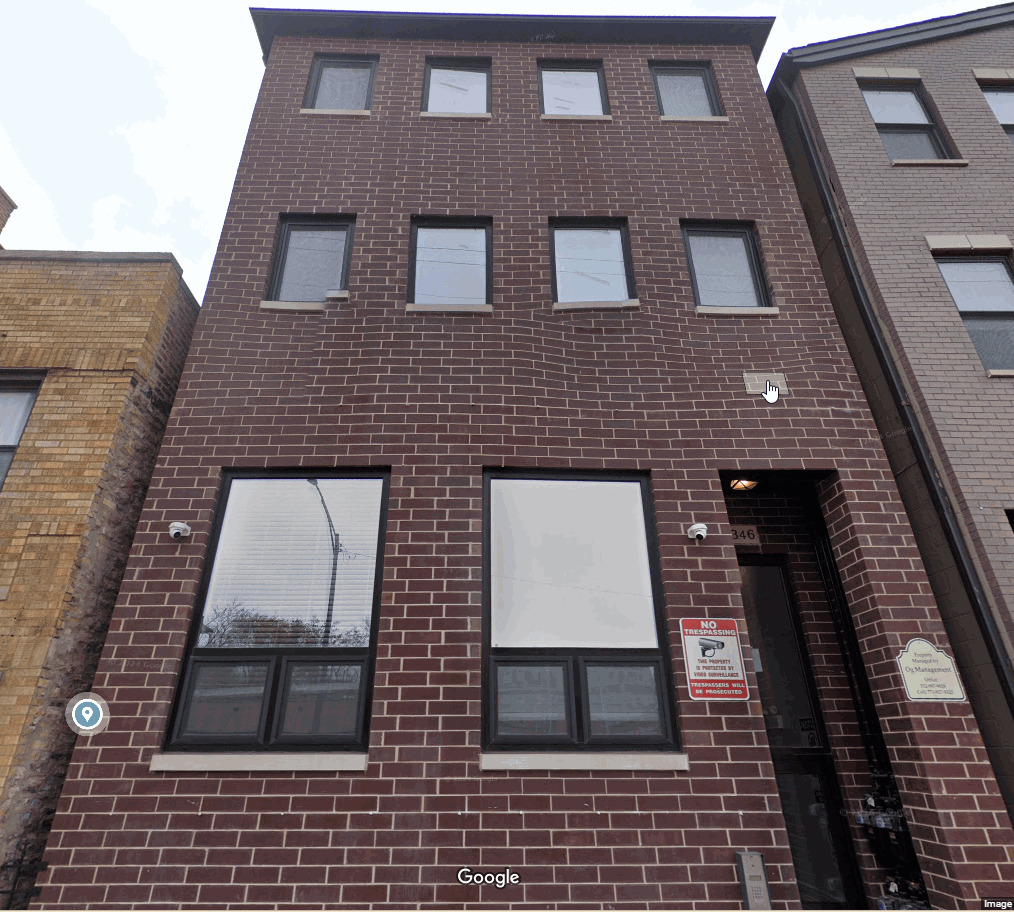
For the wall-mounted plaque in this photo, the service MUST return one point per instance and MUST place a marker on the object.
(929, 673)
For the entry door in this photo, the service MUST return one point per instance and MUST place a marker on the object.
(826, 869)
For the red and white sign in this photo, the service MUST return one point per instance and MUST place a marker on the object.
(714, 659)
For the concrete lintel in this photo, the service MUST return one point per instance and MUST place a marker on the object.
(948, 242)
(737, 311)
(866, 72)
(448, 308)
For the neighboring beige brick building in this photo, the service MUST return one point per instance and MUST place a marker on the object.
(900, 143)
(99, 340)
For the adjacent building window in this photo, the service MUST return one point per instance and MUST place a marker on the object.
(574, 628)
(457, 86)
(341, 83)
(311, 259)
(685, 91)
(16, 401)
(569, 87)
(983, 290)
(725, 266)
(905, 127)
(282, 653)
(450, 261)
(1001, 100)
(591, 261)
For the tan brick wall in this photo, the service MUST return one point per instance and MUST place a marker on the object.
(108, 335)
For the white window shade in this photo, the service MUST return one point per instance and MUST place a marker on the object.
(271, 583)
(569, 565)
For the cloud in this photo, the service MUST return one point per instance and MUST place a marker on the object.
(34, 224)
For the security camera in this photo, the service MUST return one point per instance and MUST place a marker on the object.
(709, 646)
(698, 532)
(179, 530)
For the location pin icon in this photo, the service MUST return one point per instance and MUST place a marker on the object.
(87, 712)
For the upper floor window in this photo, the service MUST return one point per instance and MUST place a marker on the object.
(311, 259)
(905, 127)
(574, 633)
(16, 401)
(983, 291)
(572, 87)
(341, 83)
(685, 91)
(450, 261)
(1001, 100)
(281, 654)
(724, 266)
(457, 86)
(591, 261)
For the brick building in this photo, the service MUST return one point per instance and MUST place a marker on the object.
(900, 142)
(91, 350)
(516, 361)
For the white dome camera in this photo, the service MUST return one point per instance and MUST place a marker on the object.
(178, 530)
(697, 532)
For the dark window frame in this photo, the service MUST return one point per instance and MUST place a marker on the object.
(707, 75)
(323, 61)
(1005, 259)
(439, 221)
(592, 224)
(277, 657)
(728, 229)
(288, 222)
(471, 64)
(1006, 88)
(577, 659)
(582, 66)
(18, 383)
(931, 129)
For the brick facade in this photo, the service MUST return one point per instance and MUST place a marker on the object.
(106, 335)
(438, 397)
(965, 416)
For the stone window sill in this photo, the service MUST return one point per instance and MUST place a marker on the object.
(588, 760)
(738, 311)
(453, 115)
(930, 162)
(699, 118)
(307, 306)
(1000, 372)
(448, 308)
(257, 762)
(343, 112)
(575, 117)
(632, 304)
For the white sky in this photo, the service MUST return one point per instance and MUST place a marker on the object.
(122, 121)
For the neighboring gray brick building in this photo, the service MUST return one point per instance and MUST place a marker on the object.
(900, 142)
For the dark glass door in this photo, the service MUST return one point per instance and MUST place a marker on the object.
(822, 853)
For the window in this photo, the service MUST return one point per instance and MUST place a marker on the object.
(16, 401)
(904, 126)
(566, 87)
(341, 84)
(574, 624)
(450, 261)
(281, 656)
(311, 259)
(724, 267)
(983, 291)
(1001, 100)
(591, 261)
(457, 86)
(685, 91)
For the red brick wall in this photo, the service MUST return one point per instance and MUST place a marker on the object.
(437, 398)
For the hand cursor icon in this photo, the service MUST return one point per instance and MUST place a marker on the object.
(770, 393)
